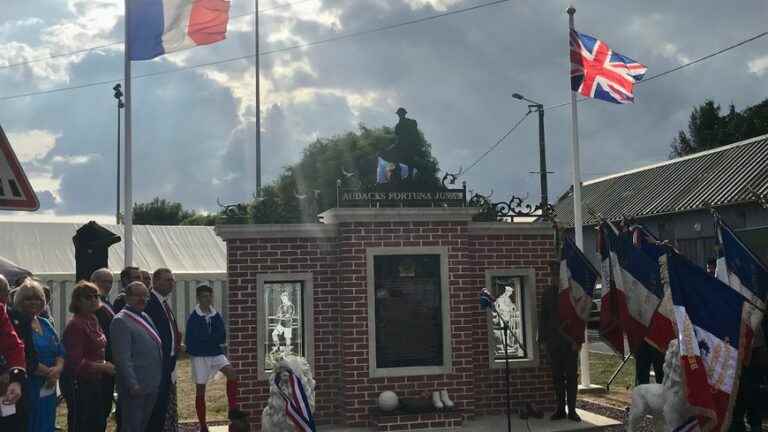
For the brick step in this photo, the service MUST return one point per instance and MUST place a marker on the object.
(405, 421)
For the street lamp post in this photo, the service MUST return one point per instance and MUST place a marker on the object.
(120, 105)
(542, 147)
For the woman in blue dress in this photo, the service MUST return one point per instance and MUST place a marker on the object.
(40, 388)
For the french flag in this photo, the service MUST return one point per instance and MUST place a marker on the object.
(715, 327)
(661, 330)
(640, 292)
(739, 267)
(577, 283)
(157, 27)
(611, 328)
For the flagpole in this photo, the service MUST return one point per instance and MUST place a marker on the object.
(578, 227)
(128, 208)
(258, 99)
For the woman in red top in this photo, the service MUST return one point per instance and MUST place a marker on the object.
(84, 346)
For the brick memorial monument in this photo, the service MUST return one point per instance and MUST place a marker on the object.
(387, 298)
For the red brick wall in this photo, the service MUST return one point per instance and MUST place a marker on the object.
(245, 259)
(345, 392)
(528, 384)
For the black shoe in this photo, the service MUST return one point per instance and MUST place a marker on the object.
(558, 415)
(574, 417)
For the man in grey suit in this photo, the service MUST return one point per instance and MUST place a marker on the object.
(138, 356)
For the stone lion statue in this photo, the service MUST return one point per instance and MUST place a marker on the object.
(665, 402)
(274, 418)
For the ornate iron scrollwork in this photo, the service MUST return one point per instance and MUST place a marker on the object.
(514, 207)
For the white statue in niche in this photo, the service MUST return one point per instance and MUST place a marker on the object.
(508, 308)
(281, 393)
(284, 323)
(666, 402)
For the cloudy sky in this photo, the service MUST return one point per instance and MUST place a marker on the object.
(194, 129)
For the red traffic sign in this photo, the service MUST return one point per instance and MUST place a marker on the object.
(15, 191)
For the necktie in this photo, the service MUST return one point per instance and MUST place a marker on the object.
(174, 329)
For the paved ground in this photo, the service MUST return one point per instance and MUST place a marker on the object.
(499, 424)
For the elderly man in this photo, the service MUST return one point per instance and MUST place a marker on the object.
(128, 275)
(160, 310)
(137, 351)
(103, 280)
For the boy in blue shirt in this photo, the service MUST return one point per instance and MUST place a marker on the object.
(205, 337)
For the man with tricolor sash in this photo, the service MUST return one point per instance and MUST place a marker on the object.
(138, 357)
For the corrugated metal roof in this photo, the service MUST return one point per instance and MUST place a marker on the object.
(722, 176)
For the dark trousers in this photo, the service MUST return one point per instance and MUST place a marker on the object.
(16, 422)
(748, 401)
(157, 419)
(108, 390)
(82, 397)
(564, 375)
(645, 358)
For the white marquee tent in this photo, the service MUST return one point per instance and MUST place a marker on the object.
(194, 253)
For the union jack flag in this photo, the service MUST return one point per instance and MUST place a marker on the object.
(601, 73)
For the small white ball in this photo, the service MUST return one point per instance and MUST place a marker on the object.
(388, 401)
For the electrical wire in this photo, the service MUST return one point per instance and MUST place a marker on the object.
(120, 42)
(384, 28)
(500, 140)
(262, 53)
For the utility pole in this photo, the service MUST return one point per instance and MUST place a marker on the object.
(542, 158)
(535, 106)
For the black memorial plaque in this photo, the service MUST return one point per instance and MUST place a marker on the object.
(408, 311)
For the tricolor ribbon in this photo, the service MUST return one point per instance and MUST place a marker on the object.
(297, 405)
(144, 324)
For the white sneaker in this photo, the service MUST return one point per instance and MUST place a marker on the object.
(444, 398)
(436, 400)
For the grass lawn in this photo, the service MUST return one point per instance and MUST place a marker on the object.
(602, 367)
(215, 397)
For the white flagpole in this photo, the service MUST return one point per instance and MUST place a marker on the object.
(128, 207)
(578, 227)
(258, 99)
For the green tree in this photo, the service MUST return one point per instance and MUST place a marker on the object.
(309, 187)
(209, 219)
(160, 212)
(708, 128)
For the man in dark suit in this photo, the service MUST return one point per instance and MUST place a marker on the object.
(563, 356)
(128, 275)
(102, 278)
(160, 310)
(138, 355)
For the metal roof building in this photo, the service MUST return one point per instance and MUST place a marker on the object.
(671, 197)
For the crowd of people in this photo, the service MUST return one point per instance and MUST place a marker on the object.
(120, 355)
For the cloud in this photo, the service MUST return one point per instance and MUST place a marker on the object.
(758, 66)
(32, 144)
(194, 131)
